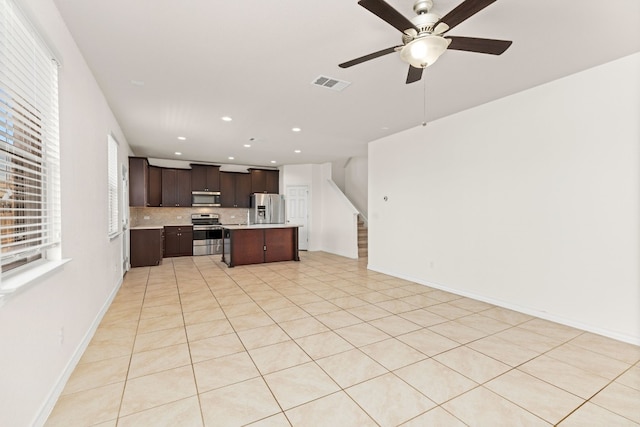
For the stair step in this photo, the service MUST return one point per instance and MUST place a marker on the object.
(363, 239)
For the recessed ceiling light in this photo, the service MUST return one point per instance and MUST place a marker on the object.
(247, 145)
(296, 129)
(182, 138)
(273, 161)
(297, 151)
(226, 119)
(231, 158)
(177, 153)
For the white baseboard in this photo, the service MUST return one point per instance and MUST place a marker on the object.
(522, 309)
(54, 394)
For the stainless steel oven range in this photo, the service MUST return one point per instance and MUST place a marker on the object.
(207, 234)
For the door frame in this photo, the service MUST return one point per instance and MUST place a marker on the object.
(126, 262)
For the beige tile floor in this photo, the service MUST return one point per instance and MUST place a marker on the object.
(325, 342)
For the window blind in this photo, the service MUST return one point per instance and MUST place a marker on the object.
(113, 185)
(29, 142)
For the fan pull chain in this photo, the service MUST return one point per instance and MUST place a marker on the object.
(424, 103)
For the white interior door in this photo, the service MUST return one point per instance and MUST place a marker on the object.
(297, 212)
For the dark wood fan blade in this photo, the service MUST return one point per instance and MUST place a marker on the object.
(388, 14)
(368, 57)
(474, 44)
(414, 74)
(464, 11)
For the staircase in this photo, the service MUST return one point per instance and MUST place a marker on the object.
(363, 239)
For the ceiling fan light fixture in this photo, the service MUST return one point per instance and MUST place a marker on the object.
(424, 51)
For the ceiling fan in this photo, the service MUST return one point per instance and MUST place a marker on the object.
(423, 36)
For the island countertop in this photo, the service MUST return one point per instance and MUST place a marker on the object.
(258, 226)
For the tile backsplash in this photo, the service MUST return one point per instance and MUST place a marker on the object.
(140, 217)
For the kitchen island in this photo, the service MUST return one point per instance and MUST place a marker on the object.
(259, 243)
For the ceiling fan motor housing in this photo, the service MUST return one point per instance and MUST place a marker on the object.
(425, 21)
(422, 6)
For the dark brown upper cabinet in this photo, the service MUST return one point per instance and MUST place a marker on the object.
(176, 187)
(154, 186)
(265, 181)
(205, 178)
(235, 189)
(138, 181)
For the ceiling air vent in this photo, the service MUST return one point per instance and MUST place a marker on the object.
(330, 83)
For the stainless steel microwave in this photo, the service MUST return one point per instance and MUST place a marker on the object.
(205, 198)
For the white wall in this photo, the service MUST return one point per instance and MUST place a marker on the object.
(338, 173)
(531, 201)
(356, 183)
(332, 220)
(34, 363)
(339, 218)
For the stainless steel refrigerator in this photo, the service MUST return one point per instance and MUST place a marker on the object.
(267, 209)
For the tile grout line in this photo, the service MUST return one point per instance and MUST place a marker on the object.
(184, 325)
(133, 345)
(311, 286)
(247, 351)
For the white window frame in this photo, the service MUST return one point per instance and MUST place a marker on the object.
(29, 153)
(113, 224)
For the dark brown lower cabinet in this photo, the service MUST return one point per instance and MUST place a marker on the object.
(258, 245)
(281, 244)
(146, 247)
(178, 241)
(247, 246)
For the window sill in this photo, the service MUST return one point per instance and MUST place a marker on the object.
(20, 279)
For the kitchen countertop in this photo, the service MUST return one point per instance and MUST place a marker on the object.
(157, 227)
(258, 226)
(147, 227)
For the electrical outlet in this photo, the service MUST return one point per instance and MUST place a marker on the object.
(146, 217)
(179, 217)
(61, 335)
(233, 216)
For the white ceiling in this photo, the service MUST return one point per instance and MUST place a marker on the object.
(254, 60)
